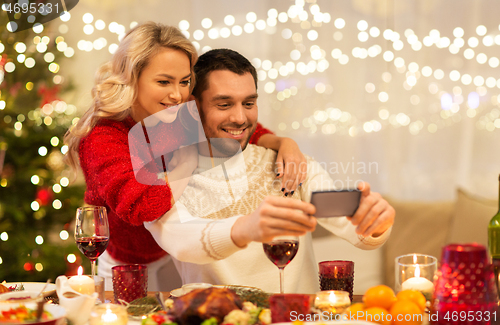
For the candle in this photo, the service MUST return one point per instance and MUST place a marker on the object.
(418, 283)
(82, 283)
(108, 314)
(332, 301)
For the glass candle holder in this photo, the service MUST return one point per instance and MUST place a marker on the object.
(286, 307)
(337, 275)
(108, 314)
(333, 302)
(465, 285)
(130, 282)
(416, 272)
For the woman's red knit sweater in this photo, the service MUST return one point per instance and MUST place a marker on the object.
(107, 167)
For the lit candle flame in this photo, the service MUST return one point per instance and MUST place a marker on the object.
(80, 270)
(414, 258)
(417, 272)
(333, 297)
(109, 316)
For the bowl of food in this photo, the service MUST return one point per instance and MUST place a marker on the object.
(26, 313)
(18, 296)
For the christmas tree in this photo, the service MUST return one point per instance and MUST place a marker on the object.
(37, 205)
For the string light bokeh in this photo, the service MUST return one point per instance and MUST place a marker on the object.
(405, 91)
(301, 25)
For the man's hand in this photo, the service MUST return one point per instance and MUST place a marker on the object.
(276, 216)
(374, 215)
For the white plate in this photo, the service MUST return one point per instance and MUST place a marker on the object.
(177, 292)
(18, 295)
(34, 286)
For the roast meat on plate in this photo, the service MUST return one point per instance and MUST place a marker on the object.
(200, 304)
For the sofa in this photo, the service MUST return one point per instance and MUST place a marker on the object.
(419, 227)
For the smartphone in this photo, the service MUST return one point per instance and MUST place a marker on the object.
(336, 203)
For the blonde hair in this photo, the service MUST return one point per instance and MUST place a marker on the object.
(115, 88)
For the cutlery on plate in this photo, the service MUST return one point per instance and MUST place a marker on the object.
(43, 289)
(159, 298)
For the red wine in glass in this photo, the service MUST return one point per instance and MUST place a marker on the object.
(92, 232)
(281, 251)
(92, 247)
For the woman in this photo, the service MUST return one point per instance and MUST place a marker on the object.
(151, 71)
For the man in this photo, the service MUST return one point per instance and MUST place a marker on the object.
(232, 205)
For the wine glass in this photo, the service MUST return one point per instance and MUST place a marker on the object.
(92, 232)
(281, 251)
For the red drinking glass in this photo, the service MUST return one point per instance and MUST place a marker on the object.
(130, 282)
(465, 291)
(288, 307)
(337, 275)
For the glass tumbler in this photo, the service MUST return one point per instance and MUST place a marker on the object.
(287, 307)
(130, 282)
(337, 275)
(465, 291)
(416, 271)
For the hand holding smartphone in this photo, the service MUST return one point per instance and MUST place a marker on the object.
(335, 203)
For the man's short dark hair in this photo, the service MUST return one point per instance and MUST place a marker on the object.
(220, 59)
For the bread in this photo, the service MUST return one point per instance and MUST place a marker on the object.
(3, 289)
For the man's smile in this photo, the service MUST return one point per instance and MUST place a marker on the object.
(235, 133)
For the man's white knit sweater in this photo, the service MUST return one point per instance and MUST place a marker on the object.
(196, 232)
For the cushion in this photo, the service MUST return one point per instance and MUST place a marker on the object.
(471, 216)
(419, 227)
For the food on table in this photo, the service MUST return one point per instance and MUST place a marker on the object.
(158, 318)
(405, 307)
(143, 306)
(376, 314)
(22, 314)
(254, 295)
(415, 296)
(210, 306)
(380, 305)
(379, 296)
(3, 289)
(201, 304)
(249, 315)
(19, 298)
(353, 310)
(16, 287)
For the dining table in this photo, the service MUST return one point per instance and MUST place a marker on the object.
(109, 296)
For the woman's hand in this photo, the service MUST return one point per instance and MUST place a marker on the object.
(291, 166)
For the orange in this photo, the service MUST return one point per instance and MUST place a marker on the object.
(413, 295)
(406, 312)
(352, 311)
(379, 296)
(376, 315)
